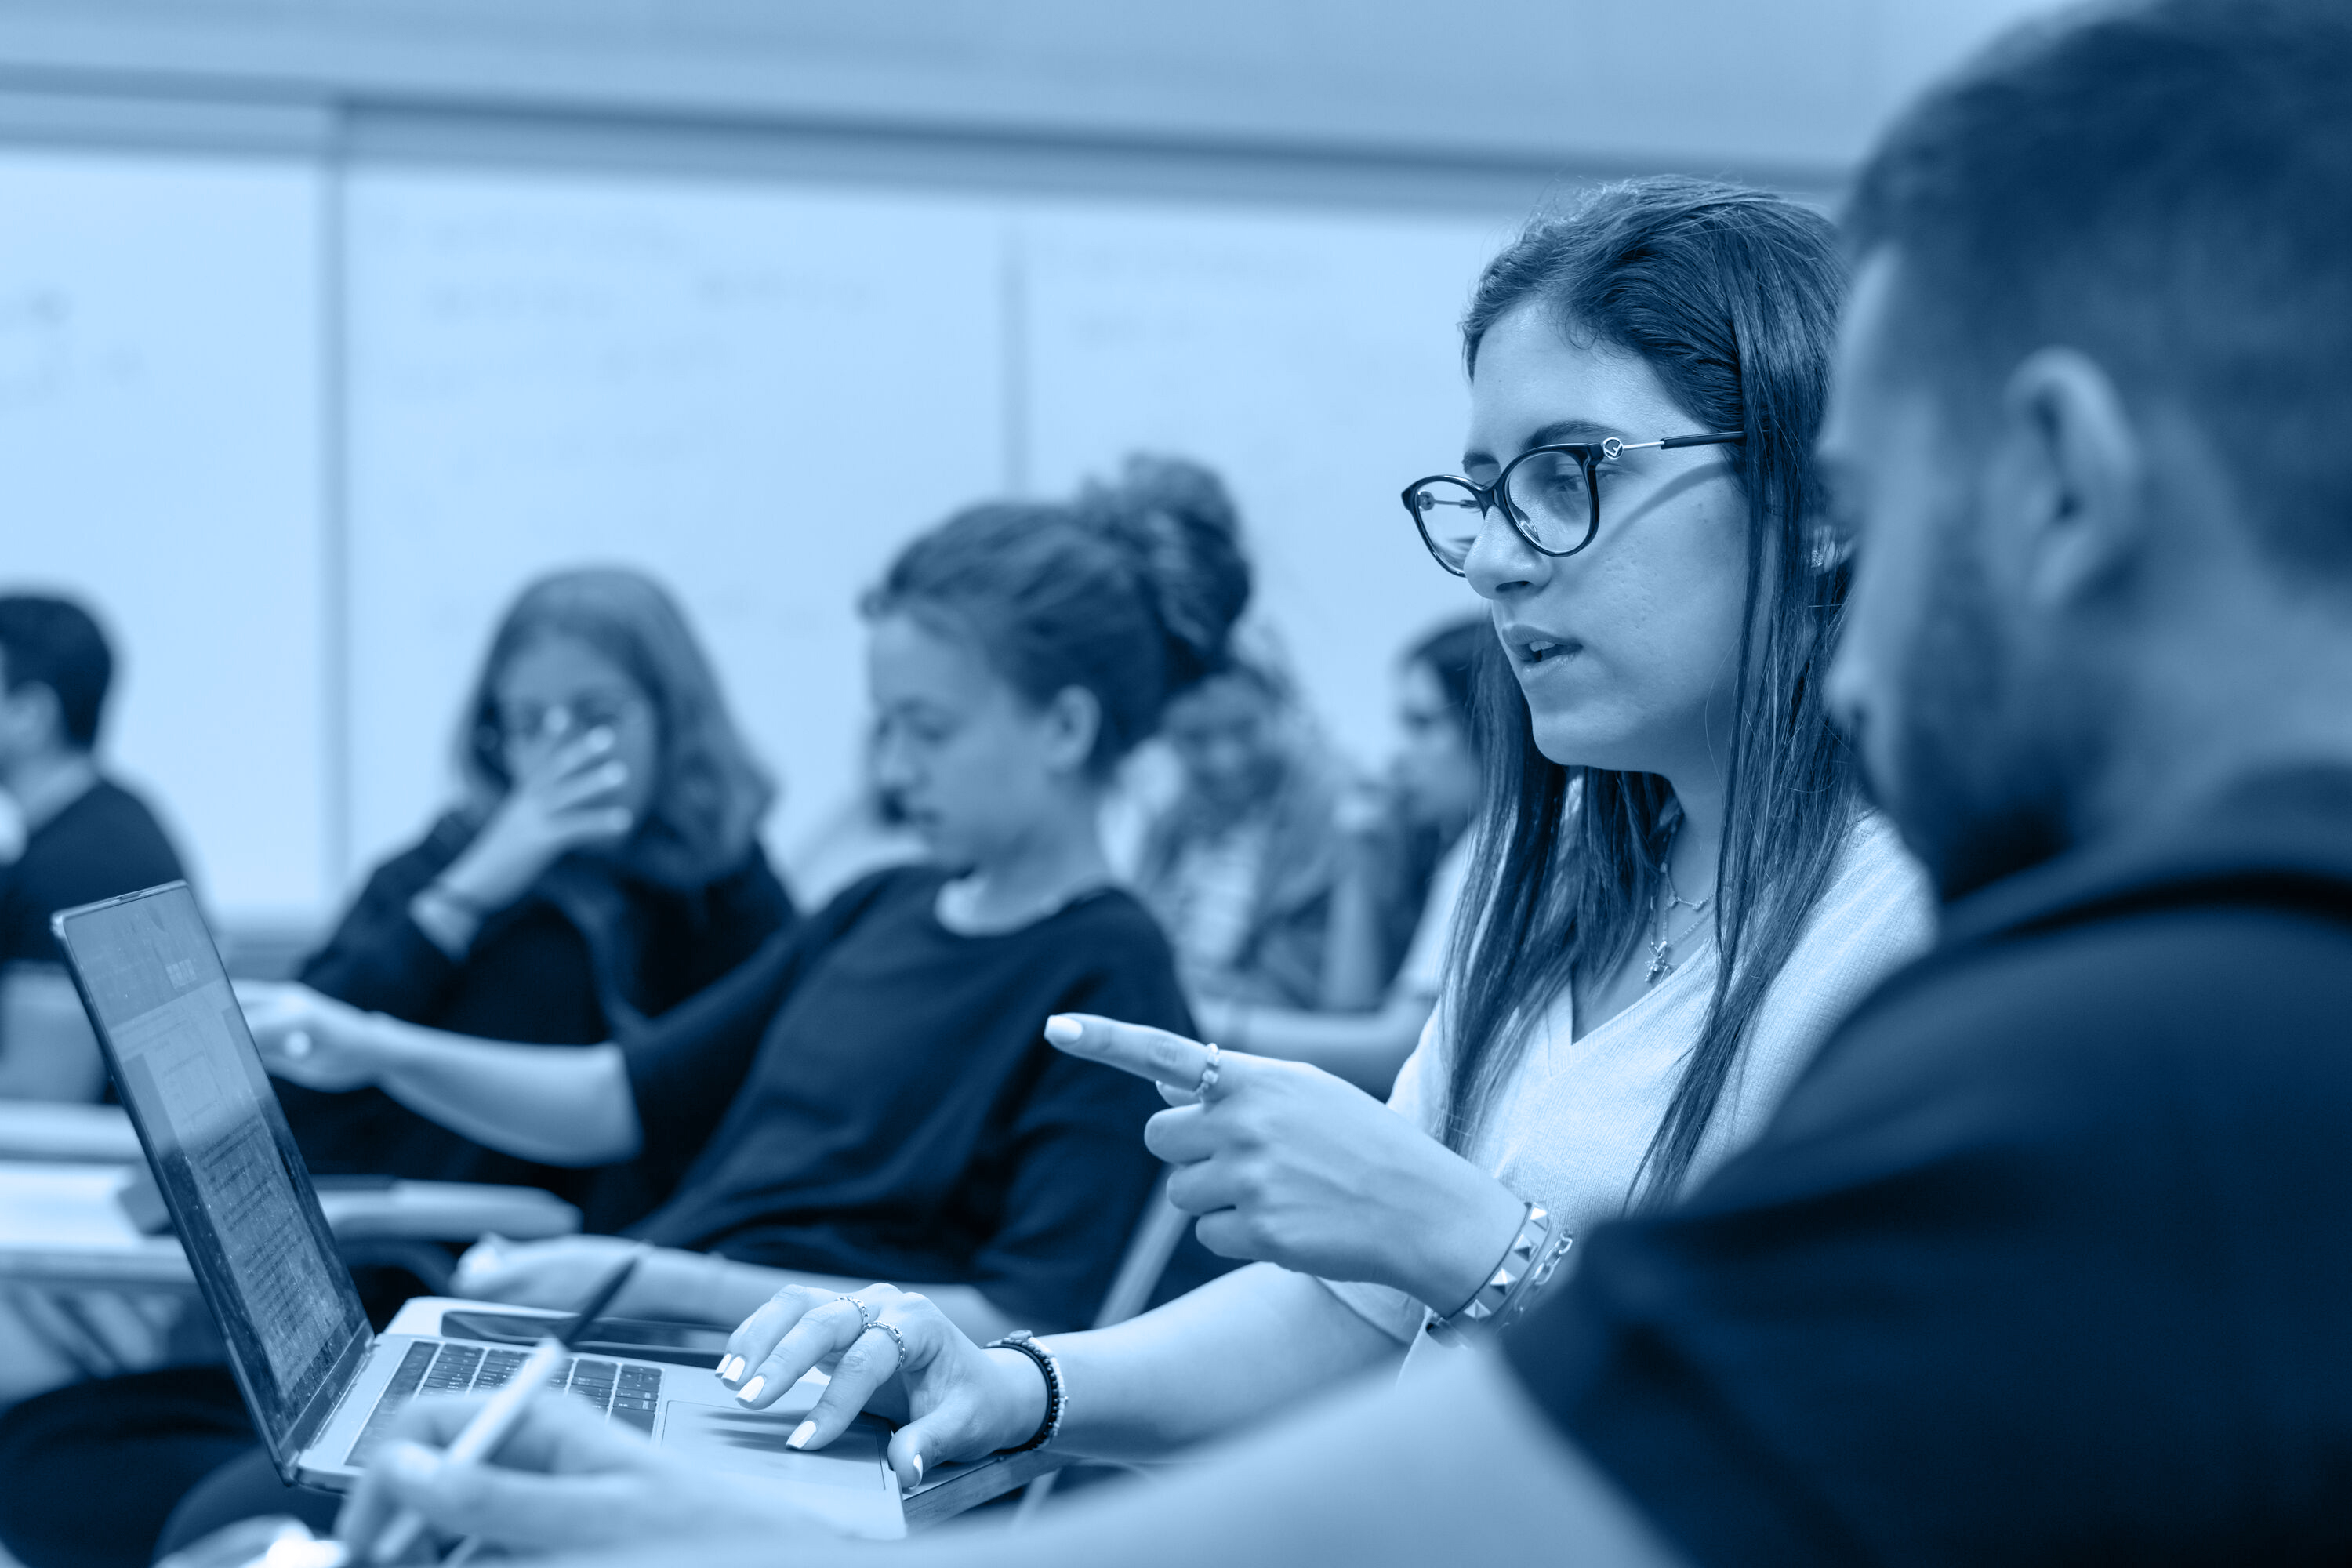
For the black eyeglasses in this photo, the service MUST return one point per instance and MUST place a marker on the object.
(1548, 494)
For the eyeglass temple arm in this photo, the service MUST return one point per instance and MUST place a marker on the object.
(1713, 438)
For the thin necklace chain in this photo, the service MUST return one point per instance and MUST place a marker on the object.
(1662, 946)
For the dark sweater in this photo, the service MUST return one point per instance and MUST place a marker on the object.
(104, 844)
(2047, 1256)
(873, 1096)
(534, 977)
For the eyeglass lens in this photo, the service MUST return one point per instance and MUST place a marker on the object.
(1551, 498)
(1449, 515)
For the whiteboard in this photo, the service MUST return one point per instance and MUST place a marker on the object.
(160, 434)
(1313, 361)
(757, 392)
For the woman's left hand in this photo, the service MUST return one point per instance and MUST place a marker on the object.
(1286, 1163)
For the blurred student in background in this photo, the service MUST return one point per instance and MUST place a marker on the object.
(1406, 853)
(85, 838)
(1240, 867)
(603, 866)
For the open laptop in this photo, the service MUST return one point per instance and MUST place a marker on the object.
(323, 1388)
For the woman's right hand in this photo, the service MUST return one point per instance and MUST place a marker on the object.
(311, 1039)
(565, 804)
(956, 1401)
(1286, 1163)
(565, 1480)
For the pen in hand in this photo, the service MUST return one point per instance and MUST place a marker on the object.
(487, 1430)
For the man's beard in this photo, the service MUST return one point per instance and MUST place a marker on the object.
(1985, 749)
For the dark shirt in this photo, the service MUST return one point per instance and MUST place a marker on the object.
(873, 1096)
(2048, 1256)
(103, 844)
(554, 968)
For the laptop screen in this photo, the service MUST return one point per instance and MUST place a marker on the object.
(224, 1157)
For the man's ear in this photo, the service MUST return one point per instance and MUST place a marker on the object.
(1073, 719)
(2069, 485)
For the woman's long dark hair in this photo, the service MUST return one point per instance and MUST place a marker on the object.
(1730, 297)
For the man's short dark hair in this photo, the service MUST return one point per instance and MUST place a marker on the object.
(2167, 188)
(54, 643)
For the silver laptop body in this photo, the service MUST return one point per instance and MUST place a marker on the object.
(323, 1388)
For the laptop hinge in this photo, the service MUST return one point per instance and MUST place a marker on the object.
(319, 1414)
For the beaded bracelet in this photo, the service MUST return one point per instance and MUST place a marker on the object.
(1058, 1402)
(1527, 1267)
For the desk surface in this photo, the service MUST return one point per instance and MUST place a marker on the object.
(61, 1226)
(62, 1223)
(48, 1131)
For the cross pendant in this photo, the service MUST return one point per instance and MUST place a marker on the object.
(1659, 966)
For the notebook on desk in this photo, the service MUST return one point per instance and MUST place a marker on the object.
(323, 1389)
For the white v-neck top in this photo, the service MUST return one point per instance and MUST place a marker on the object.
(1568, 1127)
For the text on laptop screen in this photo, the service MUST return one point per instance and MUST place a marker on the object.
(223, 1152)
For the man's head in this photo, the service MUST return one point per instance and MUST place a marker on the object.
(2090, 423)
(54, 670)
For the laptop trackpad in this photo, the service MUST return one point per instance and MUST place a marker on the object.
(846, 1483)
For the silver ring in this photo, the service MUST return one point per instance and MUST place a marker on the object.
(1207, 1075)
(895, 1335)
(865, 1318)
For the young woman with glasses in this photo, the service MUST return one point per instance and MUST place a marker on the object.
(1675, 890)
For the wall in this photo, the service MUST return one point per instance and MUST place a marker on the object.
(322, 330)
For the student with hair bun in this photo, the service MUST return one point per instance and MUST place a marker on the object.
(870, 1097)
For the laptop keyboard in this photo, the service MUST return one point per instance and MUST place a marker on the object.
(625, 1391)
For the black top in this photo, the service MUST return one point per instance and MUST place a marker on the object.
(579, 959)
(104, 844)
(873, 1096)
(2048, 1256)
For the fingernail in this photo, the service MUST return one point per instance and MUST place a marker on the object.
(751, 1391)
(801, 1434)
(918, 1469)
(725, 1370)
(1063, 1030)
(298, 1044)
(600, 737)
